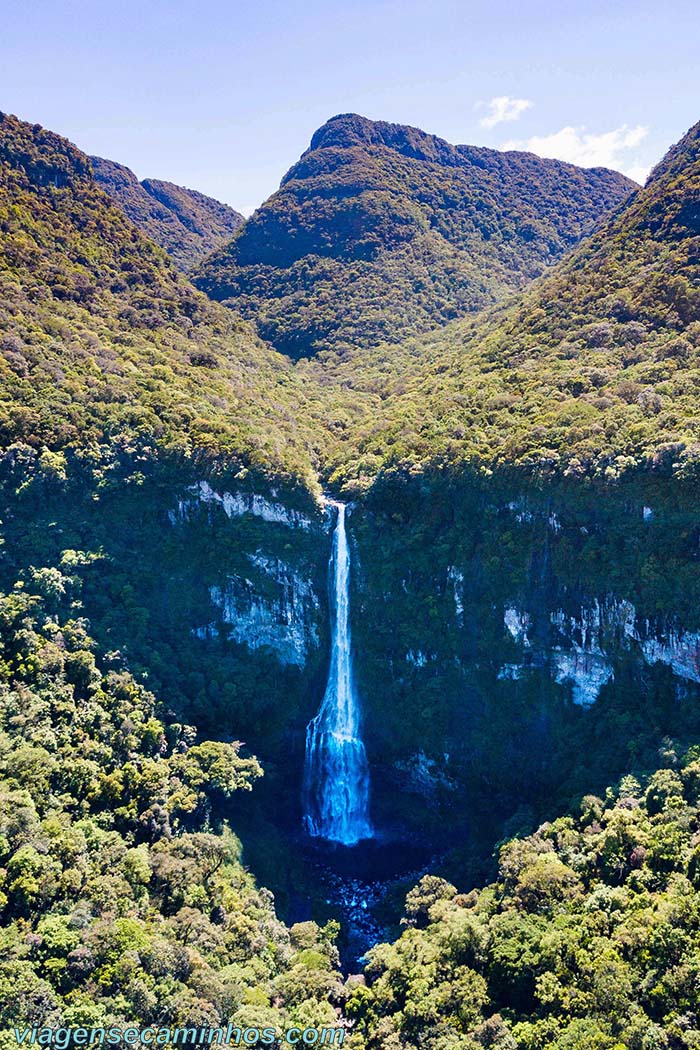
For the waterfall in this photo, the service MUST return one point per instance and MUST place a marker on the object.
(336, 776)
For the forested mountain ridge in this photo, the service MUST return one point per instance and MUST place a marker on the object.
(592, 370)
(103, 340)
(602, 343)
(187, 223)
(381, 231)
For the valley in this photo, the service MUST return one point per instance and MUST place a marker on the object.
(379, 593)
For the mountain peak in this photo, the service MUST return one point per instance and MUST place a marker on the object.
(351, 129)
(381, 230)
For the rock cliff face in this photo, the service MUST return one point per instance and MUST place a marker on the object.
(283, 620)
(513, 645)
(271, 605)
(236, 504)
(267, 593)
(504, 637)
(584, 645)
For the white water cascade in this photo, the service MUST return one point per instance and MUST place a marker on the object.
(336, 775)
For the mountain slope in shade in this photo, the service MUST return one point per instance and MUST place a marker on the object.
(102, 340)
(594, 369)
(381, 231)
(188, 224)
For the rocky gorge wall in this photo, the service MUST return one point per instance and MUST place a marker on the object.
(522, 643)
(514, 643)
(215, 596)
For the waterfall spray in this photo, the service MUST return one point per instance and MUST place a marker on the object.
(336, 775)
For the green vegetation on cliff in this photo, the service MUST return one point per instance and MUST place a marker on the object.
(381, 231)
(187, 224)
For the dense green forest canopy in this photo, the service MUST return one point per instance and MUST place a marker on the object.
(121, 901)
(381, 231)
(588, 940)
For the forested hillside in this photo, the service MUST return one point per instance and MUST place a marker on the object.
(381, 231)
(103, 341)
(591, 371)
(122, 899)
(188, 224)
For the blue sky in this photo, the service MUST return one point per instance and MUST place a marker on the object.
(223, 96)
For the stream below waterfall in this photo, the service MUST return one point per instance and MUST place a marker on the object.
(358, 884)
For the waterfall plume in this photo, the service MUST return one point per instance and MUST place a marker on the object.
(336, 775)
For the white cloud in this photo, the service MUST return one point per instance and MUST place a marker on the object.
(504, 108)
(610, 149)
(638, 172)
